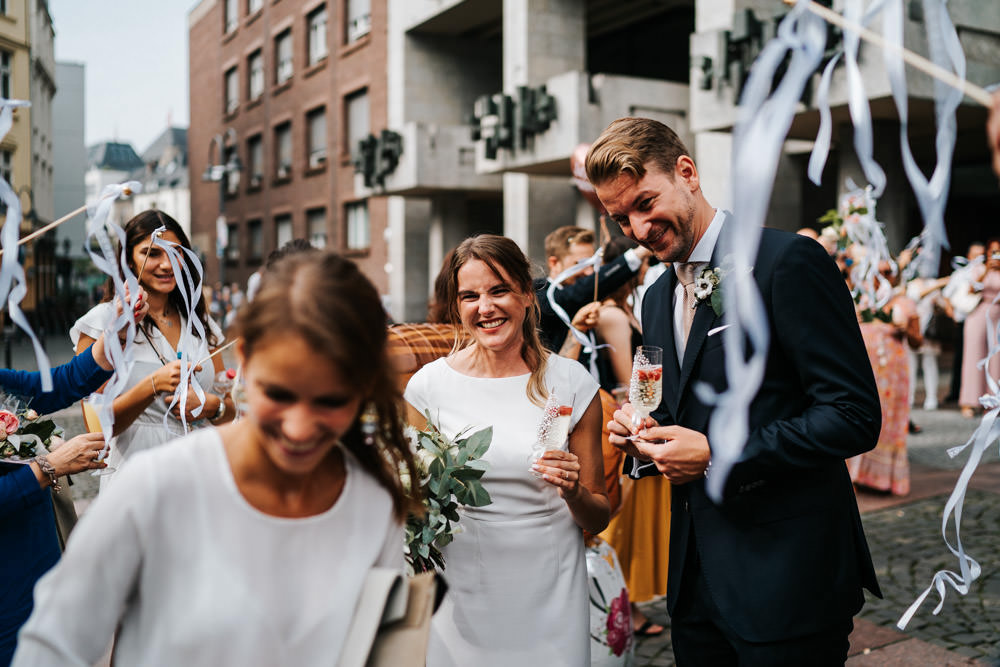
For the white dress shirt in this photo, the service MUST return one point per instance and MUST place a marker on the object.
(702, 253)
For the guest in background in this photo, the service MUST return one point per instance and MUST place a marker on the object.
(963, 300)
(978, 337)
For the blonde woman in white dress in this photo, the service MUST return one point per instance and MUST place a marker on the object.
(516, 571)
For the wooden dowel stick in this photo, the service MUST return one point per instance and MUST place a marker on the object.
(52, 225)
(146, 258)
(978, 94)
(224, 347)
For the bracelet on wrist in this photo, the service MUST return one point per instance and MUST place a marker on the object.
(48, 470)
(220, 413)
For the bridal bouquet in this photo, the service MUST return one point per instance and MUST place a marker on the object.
(450, 472)
(22, 434)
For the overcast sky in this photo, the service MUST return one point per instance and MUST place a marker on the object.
(135, 54)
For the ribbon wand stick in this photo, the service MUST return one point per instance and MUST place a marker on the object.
(52, 225)
(978, 94)
(221, 349)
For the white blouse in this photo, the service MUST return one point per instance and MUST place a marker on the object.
(175, 558)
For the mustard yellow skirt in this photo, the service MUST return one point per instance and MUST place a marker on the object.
(640, 534)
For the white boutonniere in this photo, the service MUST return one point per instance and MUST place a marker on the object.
(708, 287)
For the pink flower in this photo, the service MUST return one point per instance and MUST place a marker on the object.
(9, 421)
(619, 624)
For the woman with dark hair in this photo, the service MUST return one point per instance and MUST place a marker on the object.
(140, 409)
(516, 572)
(249, 544)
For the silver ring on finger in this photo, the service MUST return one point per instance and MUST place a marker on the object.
(565, 474)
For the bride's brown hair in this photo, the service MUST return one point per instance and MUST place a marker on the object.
(326, 300)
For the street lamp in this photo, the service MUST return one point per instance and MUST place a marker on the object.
(219, 171)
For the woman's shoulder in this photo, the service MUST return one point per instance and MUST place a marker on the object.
(176, 461)
(92, 322)
(374, 497)
(571, 369)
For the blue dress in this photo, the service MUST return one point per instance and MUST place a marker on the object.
(27, 524)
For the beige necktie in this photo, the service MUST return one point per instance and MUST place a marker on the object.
(686, 271)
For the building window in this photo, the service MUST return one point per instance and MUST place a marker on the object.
(5, 58)
(359, 19)
(255, 66)
(283, 150)
(233, 248)
(7, 166)
(255, 158)
(232, 17)
(316, 227)
(316, 120)
(356, 113)
(358, 227)
(255, 240)
(283, 57)
(317, 35)
(232, 90)
(254, 5)
(283, 232)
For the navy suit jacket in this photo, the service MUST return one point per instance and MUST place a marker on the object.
(784, 554)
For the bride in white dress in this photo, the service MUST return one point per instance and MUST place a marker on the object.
(516, 571)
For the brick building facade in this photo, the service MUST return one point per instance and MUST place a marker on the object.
(292, 87)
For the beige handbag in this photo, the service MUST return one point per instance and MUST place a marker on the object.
(392, 621)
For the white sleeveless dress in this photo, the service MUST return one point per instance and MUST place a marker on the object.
(516, 573)
(148, 430)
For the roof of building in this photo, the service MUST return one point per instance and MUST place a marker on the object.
(165, 162)
(114, 155)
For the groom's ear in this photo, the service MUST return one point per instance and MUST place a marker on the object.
(686, 171)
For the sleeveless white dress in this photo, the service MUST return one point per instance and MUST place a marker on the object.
(148, 430)
(516, 572)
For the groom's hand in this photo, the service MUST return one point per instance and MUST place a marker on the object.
(621, 427)
(680, 454)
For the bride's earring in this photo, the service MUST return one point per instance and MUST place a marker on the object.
(369, 423)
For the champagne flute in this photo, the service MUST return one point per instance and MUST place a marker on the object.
(93, 425)
(646, 387)
(553, 431)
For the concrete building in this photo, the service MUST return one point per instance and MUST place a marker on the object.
(489, 98)
(69, 155)
(281, 93)
(165, 177)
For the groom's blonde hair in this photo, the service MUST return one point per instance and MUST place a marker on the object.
(628, 145)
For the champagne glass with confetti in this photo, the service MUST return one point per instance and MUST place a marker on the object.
(646, 387)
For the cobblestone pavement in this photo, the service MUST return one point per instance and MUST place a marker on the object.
(908, 548)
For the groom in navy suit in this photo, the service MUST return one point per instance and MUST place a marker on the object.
(772, 575)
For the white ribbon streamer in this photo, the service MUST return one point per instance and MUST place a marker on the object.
(586, 340)
(758, 138)
(857, 104)
(121, 356)
(181, 259)
(13, 284)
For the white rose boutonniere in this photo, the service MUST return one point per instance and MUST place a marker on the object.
(708, 287)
